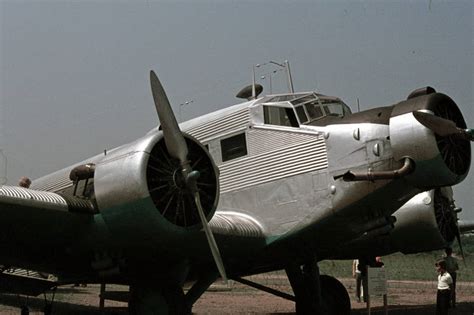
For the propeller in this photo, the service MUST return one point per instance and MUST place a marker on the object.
(457, 231)
(177, 148)
(443, 127)
(447, 216)
(458, 238)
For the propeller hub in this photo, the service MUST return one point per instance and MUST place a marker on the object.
(179, 180)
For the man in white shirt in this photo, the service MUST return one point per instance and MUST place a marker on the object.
(444, 288)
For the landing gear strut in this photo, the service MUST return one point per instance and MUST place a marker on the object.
(315, 293)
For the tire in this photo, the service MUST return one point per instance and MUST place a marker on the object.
(335, 296)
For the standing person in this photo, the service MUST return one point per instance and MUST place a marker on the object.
(363, 267)
(452, 267)
(358, 276)
(444, 288)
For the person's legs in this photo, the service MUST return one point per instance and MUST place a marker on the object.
(358, 285)
(365, 287)
(453, 290)
(442, 302)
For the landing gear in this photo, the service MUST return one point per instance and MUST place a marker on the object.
(317, 294)
(25, 310)
(304, 281)
(334, 296)
(146, 300)
(48, 305)
(48, 309)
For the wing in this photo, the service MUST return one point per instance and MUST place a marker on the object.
(36, 225)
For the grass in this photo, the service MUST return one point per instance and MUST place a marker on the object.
(411, 267)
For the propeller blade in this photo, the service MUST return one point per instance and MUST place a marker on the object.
(192, 184)
(177, 148)
(458, 238)
(442, 127)
(210, 239)
(174, 140)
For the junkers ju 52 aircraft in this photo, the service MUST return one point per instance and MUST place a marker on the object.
(279, 182)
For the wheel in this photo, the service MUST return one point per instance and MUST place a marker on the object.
(334, 296)
(48, 309)
(176, 301)
(25, 310)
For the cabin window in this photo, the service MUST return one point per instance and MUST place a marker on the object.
(233, 147)
(280, 116)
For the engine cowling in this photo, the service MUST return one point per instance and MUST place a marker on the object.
(426, 222)
(440, 161)
(138, 182)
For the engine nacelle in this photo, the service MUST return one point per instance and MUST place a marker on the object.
(440, 161)
(426, 222)
(139, 183)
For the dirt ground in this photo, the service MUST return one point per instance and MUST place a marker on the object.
(404, 297)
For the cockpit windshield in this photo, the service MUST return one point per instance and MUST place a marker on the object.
(320, 107)
(309, 107)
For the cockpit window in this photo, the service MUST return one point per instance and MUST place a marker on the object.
(319, 109)
(301, 114)
(334, 109)
(281, 116)
(281, 98)
(314, 110)
(303, 99)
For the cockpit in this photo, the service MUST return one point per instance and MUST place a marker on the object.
(302, 109)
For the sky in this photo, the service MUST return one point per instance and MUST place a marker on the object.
(74, 75)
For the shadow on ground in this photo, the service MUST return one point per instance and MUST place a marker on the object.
(461, 309)
(36, 304)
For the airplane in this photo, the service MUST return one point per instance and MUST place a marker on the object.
(278, 182)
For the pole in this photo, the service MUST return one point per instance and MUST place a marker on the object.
(368, 302)
(253, 83)
(286, 65)
(290, 80)
(270, 79)
(101, 296)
